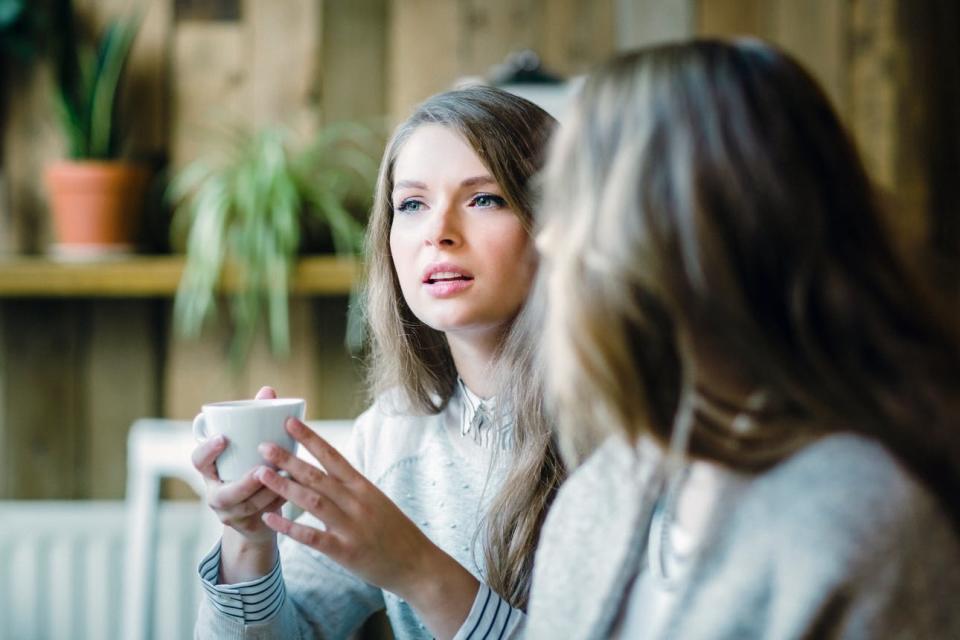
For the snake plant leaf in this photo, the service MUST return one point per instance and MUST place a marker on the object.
(88, 79)
(111, 59)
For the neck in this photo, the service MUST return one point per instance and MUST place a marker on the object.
(473, 356)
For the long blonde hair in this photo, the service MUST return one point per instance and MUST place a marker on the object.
(707, 189)
(509, 135)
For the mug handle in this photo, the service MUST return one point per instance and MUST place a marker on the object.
(200, 428)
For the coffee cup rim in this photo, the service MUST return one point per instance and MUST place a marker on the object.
(247, 403)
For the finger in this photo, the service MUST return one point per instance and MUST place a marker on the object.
(322, 541)
(276, 504)
(307, 499)
(304, 473)
(231, 494)
(265, 393)
(258, 502)
(262, 500)
(335, 464)
(206, 453)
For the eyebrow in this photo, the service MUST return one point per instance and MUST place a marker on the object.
(409, 184)
(469, 182)
(477, 180)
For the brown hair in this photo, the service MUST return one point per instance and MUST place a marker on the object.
(708, 190)
(509, 135)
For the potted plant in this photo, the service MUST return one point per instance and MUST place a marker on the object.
(250, 206)
(94, 196)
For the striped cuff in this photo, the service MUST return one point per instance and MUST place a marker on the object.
(249, 602)
(490, 617)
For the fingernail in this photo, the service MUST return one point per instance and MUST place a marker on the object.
(265, 449)
(292, 423)
(260, 473)
(220, 439)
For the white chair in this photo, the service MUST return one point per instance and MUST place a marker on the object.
(157, 449)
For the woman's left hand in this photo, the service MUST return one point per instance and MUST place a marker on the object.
(366, 532)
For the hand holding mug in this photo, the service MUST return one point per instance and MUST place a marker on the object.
(227, 456)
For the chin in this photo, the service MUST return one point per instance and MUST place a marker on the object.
(462, 324)
(447, 325)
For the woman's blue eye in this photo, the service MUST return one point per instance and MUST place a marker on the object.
(486, 201)
(409, 206)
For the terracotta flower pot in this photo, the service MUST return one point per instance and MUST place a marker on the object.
(95, 205)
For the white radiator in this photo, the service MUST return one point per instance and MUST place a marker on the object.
(61, 569)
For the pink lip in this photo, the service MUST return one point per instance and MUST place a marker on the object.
(446, 288)
(440, 267)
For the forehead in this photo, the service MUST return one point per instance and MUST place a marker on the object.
(434, 152)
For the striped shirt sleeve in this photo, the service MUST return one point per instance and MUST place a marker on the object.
(249, 602)
(491, 618)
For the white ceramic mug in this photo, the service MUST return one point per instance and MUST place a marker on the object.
(246, 424)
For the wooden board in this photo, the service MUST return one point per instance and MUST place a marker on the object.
(148, 276)
(32, 138)
(209, 87)
(646, 22)
(432, 26)
(284, 63)
(121, 383)
(815, 31)
(468, 38)
(353, 76)
(43, 414)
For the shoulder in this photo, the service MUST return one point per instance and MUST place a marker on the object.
(605, 469)
(845, 514)
(598, 495)
(849, 483)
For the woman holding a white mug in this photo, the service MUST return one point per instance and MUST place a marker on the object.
(435, 510)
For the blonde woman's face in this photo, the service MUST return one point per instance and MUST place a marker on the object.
(464, 261)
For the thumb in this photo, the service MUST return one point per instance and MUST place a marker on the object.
(266, 393)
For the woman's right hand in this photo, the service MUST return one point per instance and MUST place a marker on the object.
(240, 504)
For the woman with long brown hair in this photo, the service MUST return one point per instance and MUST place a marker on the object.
(435, 510)
(768, 404)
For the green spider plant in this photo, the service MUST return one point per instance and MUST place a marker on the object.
(245, 207)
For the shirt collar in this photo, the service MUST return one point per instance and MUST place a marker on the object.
(478, 420)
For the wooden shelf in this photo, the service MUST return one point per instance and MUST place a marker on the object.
(149, 276)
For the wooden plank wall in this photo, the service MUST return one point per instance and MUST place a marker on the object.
(874, 57)
(74, 373)
(458, 38)
(268, 67)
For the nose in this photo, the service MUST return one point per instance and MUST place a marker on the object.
(444, 228)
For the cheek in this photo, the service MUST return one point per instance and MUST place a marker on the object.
(527, 264)
(399, 253)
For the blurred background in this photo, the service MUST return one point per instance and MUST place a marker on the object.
(204, 96)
